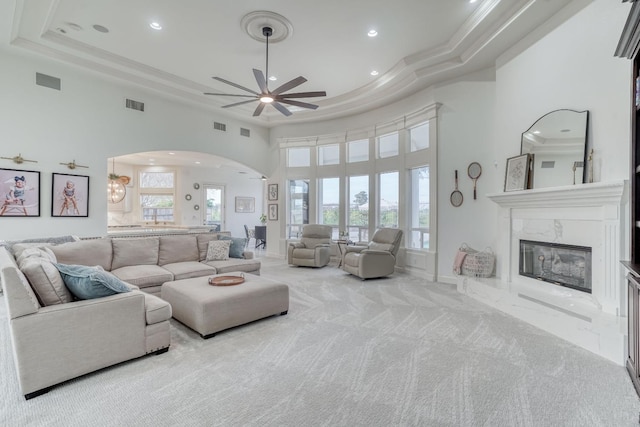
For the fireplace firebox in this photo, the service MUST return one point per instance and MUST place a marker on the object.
(560, 264)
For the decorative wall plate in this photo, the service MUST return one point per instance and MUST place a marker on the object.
(196, 207)
(196, 186)
(187, 197)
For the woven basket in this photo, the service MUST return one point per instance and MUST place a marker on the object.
(478, 263)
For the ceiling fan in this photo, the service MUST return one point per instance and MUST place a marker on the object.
(274, 97)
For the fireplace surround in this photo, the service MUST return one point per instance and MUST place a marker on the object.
(588, 215)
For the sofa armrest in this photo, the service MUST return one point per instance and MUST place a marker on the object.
(296, 245)
(64, 341)
(321, 245)
(375, 252)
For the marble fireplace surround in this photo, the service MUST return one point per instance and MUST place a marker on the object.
(592, 215)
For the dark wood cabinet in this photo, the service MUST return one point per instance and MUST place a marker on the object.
(628, 47)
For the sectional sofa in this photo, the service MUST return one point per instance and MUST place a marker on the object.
(57, 337)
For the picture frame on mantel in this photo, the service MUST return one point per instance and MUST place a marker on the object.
(516, 176)
(20, 193)
(273, 192)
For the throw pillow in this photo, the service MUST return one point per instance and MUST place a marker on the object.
(218, 250)
(237, 246)
(90, 282)
(46, 281)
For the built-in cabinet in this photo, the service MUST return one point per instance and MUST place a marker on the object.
(628, 47)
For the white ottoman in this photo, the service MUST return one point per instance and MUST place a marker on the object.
(210, 309)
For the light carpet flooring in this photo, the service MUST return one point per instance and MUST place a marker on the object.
(399, 351)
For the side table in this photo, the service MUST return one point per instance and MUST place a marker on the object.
(342, 244)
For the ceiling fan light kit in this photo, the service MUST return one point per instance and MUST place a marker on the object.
(275, 97)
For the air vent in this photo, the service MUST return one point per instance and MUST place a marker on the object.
(549, 164)
(245, 132)
(47, 81)
(134, 105)
(220, 126)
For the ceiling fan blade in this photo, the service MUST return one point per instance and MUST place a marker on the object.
(229, 94)
(259, 109)
(304, 94)
(239, 103)
(281, 108)
(262, 83)
(236, 85)
(298, 104)
(289, 85)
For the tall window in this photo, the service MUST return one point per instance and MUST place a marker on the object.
(419, 231)
(388, 199)
(328, 155)
(388, 145)
(298, 157)
(157, 195)
(329, 203)
(358, 151)
(298, 206)
(419, 137)
(358, 220)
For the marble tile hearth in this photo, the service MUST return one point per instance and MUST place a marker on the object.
(589, 215)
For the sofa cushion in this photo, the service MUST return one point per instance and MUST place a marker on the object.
(304, 253)
(143, 275)
(133, 252)
(42, 253)
(237, 246)
(203, 243)
(178, 249)
(46, 281)
(90, 282)
(189, 269)
(218, 250)
(85, 252)
(19, 248)
(244, 265)
(156, 309)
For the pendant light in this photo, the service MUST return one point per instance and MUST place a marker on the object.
(115, 188)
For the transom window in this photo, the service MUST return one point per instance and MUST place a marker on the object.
(419, 137)
(388, 145)
(328, 155)
(298, 157)
(358, 151)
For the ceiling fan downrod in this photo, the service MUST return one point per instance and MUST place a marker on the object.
(267, 32)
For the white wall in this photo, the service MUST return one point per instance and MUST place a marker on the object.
(571, 67)
(465, 134)
(86, 121)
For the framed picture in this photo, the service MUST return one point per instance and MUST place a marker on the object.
(273, 191)
(273, 212)
(517, 173)
(20, 192)
(245, 204)
(69, 195)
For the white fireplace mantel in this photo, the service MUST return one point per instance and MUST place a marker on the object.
(594, 194)
(592, 215)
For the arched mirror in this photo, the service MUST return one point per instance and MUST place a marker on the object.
(558, 142)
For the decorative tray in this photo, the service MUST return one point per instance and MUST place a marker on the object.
(226, 280)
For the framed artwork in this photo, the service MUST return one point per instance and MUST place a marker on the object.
(245, 204)
(273, 212)
(20, 192)
(69, 195)
(273, 191)
(517, 173)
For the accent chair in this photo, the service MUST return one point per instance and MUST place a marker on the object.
(377, 258)
(313, 248)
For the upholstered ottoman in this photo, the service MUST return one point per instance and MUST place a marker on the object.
(210, 309)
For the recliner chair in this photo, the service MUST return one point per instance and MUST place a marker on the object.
(377, 259)
(313, 248)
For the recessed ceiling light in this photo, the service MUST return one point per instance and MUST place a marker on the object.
(152, 160)
(197, 163)
(100, 28)
(374, 73)
(372, 33)
(565, 130)
(536, 132)
(171, 153)
(155, 25)
(472, 1)
(273, 78)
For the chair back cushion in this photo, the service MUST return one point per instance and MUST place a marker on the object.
(386, 239)
(315, 234)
